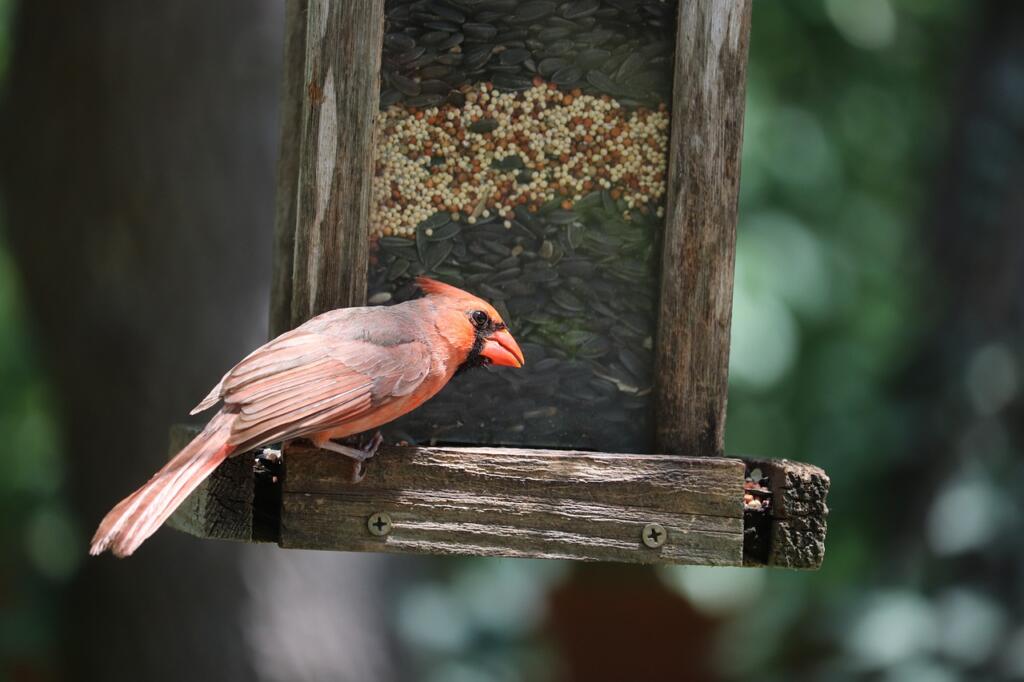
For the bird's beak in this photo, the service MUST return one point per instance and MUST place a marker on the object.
(501, 349)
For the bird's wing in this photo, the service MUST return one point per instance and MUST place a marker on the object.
(309, 382)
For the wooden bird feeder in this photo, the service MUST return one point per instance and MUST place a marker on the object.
(534, 228)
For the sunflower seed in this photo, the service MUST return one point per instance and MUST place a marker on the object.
(444, 232)
(580, 9)
(549, 35)
(431, 100)
(397, 269)
(389, 97)
(484, 125)
(514, 56)
(479, 31)
(433, 37)
(507, 81)
(550, 65)
(436, 254)
(567, 75)
(528, 12)
(406, 86)
(398, 42)
(592, 58)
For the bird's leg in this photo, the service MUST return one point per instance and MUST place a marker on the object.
(372, 444)
(360, 454)
(352, 453)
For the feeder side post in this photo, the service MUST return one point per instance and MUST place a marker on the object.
(292, 89)
(325, 183)
(692, 349)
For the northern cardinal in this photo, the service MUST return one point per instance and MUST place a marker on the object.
(341, 373)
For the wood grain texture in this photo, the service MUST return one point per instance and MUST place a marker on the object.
(799, 513)
(293, 88)
(692, 352)
(512, 502)
(342, 87)
(518, 503)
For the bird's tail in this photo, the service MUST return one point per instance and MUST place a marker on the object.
(138, 516)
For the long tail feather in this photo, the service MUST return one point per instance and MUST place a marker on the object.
(139, 515)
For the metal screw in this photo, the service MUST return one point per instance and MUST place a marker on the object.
(654, 535)
(379, 524)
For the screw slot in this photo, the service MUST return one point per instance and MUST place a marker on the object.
(379, 524)
(654, 535)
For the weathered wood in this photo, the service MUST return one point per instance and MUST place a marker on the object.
(293, 89)
(512, 502)
(517, 502)
(342, 85)
(692, 352)
(798, 512)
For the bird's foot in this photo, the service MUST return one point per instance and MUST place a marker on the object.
(357, 454)
(366, 450)
(371, 444)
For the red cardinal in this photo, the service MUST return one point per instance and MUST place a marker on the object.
(342, 373)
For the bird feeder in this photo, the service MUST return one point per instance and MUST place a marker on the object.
(576, 164)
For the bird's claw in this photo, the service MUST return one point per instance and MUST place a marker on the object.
(373, 444)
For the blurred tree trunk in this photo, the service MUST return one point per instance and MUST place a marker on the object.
(975, 235)
(138, 154)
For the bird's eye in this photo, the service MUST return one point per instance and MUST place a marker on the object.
(479, 318)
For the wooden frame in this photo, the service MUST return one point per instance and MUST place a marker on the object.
(516, 502)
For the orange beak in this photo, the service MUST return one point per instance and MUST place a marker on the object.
(501, 349)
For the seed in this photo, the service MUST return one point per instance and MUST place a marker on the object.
(398, 42)
(528, 12)
(484, 125)
(448, 231)
(580, 9)
(406, 86)
(479, 31)
(433, 37)
(569, 74)
(512, 82)
(551, 65)
(477, 57)
(549, 35)
(397, 269)
(436, 254)
(561, 217)
(425, 100)
(514, 56)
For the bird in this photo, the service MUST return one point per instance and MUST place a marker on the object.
(342, 373)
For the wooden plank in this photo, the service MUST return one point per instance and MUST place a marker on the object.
(335, 173)
(292, 99)
(516, 502)
(692, 352)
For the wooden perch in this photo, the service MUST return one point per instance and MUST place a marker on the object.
(590, 506)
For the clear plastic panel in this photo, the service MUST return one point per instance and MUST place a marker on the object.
(522, 151)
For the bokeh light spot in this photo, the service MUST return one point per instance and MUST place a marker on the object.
(868, 24)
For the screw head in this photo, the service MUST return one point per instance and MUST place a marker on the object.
(654, 535)
(379, 524)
